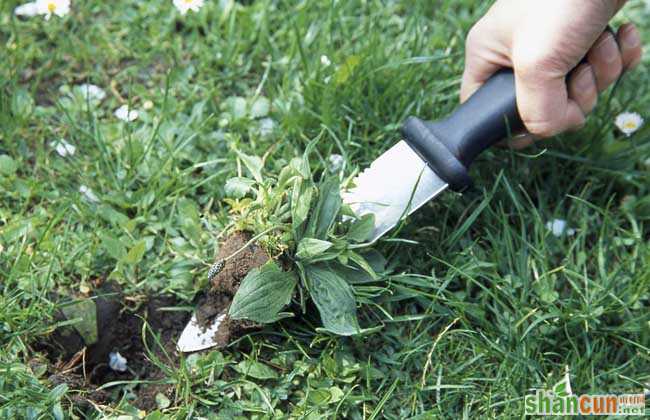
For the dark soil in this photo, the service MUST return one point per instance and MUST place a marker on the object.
(120, 329)
(225, 285)
(227, 281)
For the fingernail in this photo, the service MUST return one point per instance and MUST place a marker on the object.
(608, 49)
(631, 38)
(585, 79)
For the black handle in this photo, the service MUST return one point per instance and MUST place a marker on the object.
(450, 145)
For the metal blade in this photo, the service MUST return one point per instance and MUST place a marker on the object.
(394, 186)
(196, 337)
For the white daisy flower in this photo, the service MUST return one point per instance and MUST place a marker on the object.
(28, 9)
(628, 122)
(92, 92)
(117, 362)
(88, 194)
(325, 61)
(53, 7)
(63, 148)
(125, 114)
(335, 162)
(558, 227)
(184, 6)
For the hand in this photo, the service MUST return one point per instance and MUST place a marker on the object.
(543, 41)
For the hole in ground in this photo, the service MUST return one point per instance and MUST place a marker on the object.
(119, 330)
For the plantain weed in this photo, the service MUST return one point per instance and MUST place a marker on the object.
(300, 219)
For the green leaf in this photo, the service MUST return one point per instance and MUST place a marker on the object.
(8, 166)
(253, 163)
(336, 394)
(347, 68)
(189, 219)
(260, 108)
(286, 176)
(111, 215)
(362, 228)
(301, 196)
(319, 396)
(301, 166)
(262, 294)
(57, 411)
(58, 392)
(327, 208)
(114, 247)
(361, 262)
(255, 369)
(22, 104)
(238, 187)
(545, 289)
(162, 401)
(376, 261)
(86, 313)
(236, 106)
(354, 274)
(311, 247)
(136, 253)
(334, 299)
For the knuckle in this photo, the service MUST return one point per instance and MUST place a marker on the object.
(616, 70)
(473, 37)
(531, 66)
(549, 57)
(608, 75)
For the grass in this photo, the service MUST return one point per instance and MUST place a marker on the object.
(485, 303)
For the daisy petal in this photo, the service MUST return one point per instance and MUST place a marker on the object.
(628, 122)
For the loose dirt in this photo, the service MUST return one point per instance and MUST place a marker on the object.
(120, 329)
(225, 284)
(227, 281)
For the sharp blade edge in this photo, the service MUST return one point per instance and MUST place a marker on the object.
(196, 337)
(395, 185)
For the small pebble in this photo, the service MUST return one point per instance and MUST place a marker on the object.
(117, 362)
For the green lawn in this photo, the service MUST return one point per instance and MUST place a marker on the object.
(483, 303)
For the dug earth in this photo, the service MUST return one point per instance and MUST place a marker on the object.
(120, 329)
(85, 369)
(226, 283)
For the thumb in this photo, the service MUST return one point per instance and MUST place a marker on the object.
(543, 102)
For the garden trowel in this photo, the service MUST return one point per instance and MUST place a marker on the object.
(196, 337)
(435, 155)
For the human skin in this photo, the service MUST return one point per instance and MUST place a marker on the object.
(543, 41)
